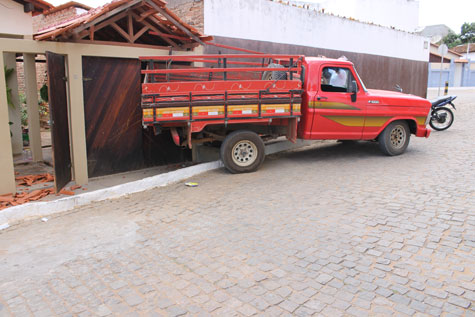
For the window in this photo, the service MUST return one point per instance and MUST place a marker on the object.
(336, 79)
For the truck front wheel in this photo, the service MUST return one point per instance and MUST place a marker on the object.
(242, 152)
(395, 138)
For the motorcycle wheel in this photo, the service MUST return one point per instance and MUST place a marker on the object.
(441, 119)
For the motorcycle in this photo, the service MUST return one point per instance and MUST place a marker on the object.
(441, 116)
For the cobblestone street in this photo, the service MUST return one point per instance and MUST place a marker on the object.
(334, 230)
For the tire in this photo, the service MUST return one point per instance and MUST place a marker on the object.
(274, 75)
(443, 123)
(242, 152)
(395, 138)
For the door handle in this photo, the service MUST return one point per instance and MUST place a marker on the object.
(320, 98)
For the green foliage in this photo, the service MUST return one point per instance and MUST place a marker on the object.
(24, 112)
(44, 93)
(8, 74)
(43, 109)
(451, 40)
(467, 35)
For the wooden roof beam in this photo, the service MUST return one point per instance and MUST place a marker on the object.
(146, 14)
(140, 33)
(153, 28)
(130, 24)
(107, 15)
(175, 22)
(122, 32)
(103, 24)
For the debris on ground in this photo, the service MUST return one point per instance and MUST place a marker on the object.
(29, 180)
(191, 184)
(44, 219)
(25, 194)
(66, 192)
(20, 198)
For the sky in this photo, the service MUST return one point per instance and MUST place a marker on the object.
(452, 13)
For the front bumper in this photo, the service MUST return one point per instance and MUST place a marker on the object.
(423, 132)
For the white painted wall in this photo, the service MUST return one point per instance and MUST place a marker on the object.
(401, 14)
(266, 20)
(458, 75)
(470, 56)
(13, 20)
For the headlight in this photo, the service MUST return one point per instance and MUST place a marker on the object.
(428, 117)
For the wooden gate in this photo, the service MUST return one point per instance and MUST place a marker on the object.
(112, 114)
(58, 107)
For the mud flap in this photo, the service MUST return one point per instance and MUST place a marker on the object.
(175, 136)
(292, 130)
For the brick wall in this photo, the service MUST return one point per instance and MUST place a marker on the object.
(41, 21)
(41, 77)
(189, 11)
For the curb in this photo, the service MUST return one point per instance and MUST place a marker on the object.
(40, 209)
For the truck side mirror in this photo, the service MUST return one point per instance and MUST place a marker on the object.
(353, 90)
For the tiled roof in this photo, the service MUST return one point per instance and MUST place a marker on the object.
(462, 49)
(152, 22)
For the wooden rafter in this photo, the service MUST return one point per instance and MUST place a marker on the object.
(124, 34)
(171, 36)
(99, 26)
(121, 44)
(106, 15)
(91, 32)
(172, 20)
(140, 33)
(130, 24)
(144, 22)
(132, 20)
(146, 14)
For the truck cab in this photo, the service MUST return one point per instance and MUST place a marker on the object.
(337, 105)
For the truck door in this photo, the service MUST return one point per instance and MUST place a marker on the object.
(336, 116)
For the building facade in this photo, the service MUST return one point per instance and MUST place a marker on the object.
(384, 56)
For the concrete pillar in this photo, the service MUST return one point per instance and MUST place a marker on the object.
(452, 73)
(33, 109)
(7, 172)
(78, 126)
(14, 112)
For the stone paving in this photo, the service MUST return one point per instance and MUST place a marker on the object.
(335, 230)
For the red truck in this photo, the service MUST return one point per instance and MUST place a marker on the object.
(243, 100)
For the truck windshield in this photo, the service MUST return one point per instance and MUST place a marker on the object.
(359, 78)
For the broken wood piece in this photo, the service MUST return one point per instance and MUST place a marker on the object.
(6, 198)
(66, 192)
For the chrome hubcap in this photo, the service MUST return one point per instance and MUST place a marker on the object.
(398, 136)
(442, 119)
(244, 153)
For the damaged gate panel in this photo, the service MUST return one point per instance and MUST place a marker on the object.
(58, 103)
(112, 115)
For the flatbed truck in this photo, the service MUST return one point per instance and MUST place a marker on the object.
(241, 101)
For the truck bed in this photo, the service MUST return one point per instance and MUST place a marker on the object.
(183, 90)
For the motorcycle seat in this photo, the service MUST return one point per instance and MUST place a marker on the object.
(441, 100)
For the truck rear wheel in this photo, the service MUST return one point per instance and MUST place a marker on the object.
(242, 152)
(395, 138)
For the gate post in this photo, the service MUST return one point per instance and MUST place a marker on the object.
(33, 109)
(7, 181)
(14, 111)
(76, 115)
